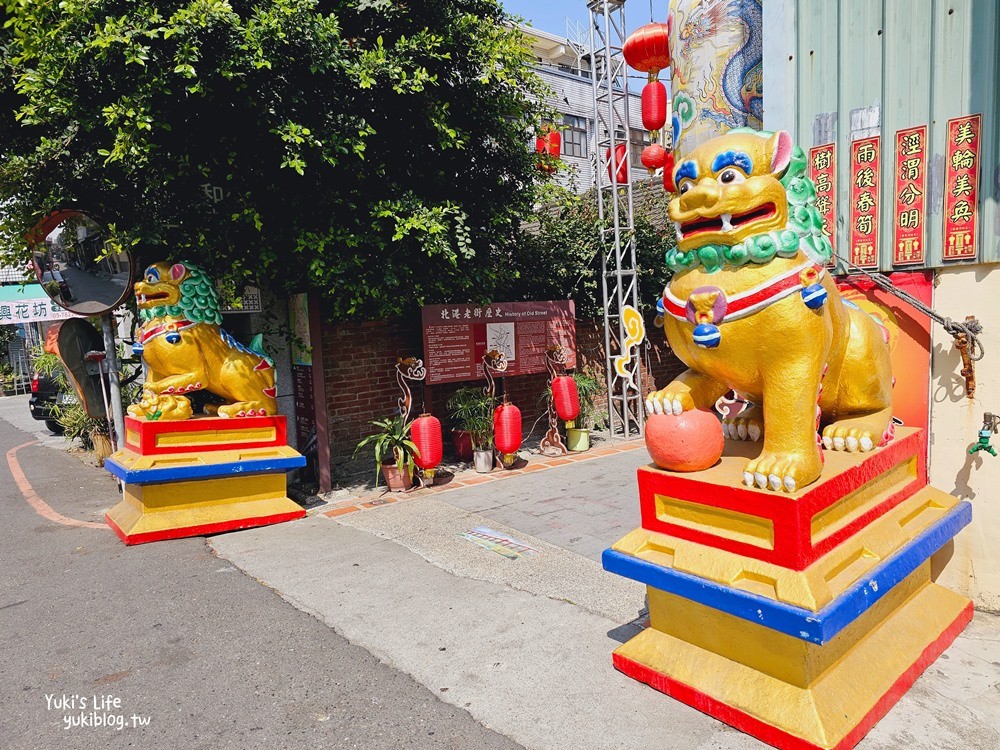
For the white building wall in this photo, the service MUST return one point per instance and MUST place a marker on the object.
(974, 567)
(573, 94)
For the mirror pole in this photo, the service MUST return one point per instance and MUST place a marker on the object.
(114, 385)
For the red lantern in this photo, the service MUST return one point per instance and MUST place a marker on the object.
(550, 143)
(621, 156)
(654, 106)
(507, 428)
(668, 174)
(653, 157)
(426, 435)
(553, 143)
(648, 48)
(566, 397)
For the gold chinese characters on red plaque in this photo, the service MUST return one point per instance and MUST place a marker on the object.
(961, 187)
(911, 197)
(823, 171)
(865, 170)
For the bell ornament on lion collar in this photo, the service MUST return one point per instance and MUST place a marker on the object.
(709, 306)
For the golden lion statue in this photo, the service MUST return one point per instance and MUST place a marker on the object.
(187, 350)
(751, 307)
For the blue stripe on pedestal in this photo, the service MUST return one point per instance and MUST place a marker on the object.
(204, 471)
(815, 627)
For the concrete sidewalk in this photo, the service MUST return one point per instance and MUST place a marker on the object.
(525, 644)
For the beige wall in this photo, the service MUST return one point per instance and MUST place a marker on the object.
(974, 567)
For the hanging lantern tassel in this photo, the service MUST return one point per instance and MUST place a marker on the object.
(507, 432)
(566, 398)
(426, 435)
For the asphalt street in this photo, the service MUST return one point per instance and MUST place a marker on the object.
(240, 642)
(179, 647)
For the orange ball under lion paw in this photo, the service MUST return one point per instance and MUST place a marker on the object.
(690, 441)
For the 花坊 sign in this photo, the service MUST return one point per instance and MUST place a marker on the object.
(28, 304)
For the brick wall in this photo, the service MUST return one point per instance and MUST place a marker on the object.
(360, 360)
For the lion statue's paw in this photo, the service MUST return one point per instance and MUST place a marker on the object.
(669, 401)
(854, 434)
(782, 472)
(747, 426)
(162, 407)
(243, 409)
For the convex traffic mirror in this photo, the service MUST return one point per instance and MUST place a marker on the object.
(79, 264)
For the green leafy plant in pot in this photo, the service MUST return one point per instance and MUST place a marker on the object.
(472, 411)
(588, 387)
(394, 452)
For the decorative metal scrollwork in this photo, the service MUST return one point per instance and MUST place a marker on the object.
(493, 362)
(555, 362)
(409, 368)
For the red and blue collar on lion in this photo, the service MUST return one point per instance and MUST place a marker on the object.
(711, 305)
(157, 330)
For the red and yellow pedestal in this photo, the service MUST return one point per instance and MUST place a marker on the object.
(798, 618)
(202, 476)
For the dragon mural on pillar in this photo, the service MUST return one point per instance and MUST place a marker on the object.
(717, 73)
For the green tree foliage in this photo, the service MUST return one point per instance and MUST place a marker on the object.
(375, 150)
(560, 254)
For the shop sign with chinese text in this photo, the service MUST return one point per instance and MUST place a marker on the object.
(961, 187)
(865, 169)
(911, 196)
(823, 171)
(28, 304)
(457, 336)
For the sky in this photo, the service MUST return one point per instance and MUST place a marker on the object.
(550, 15)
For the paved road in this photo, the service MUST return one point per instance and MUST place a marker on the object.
(178, 638)
(583, 507)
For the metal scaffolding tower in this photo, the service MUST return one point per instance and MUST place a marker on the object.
(619, 280)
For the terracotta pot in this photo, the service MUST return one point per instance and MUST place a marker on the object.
(398, 481)
(462, 441)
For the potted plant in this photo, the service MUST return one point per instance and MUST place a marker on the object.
(7, 378)
(394, 452)
(588, 387)
(472, 411)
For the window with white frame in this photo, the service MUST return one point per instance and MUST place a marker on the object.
(574, 136)
(638, 140)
